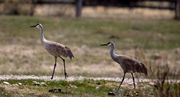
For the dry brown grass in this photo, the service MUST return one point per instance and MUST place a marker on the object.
(20, 59)
(117, 12)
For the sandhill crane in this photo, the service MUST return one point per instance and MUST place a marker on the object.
(127, 64)
(55, 49)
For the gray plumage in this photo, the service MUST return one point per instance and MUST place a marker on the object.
(127, 64)
(55, 49)
(58, 50)
(130, 65)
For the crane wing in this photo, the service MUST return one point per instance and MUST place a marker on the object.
(133, 65)
(57, 49)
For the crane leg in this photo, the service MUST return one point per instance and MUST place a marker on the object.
(65, 74)
(133, 80)
(54, 68)
(121, 82)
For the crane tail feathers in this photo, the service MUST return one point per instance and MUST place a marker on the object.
(144, 69)
(69, 53)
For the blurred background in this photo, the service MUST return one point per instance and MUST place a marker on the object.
(146, 30)
(92, 8)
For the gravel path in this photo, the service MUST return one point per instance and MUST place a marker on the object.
(73, 78)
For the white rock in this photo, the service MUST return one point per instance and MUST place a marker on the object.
(6, 83)
(20, 84)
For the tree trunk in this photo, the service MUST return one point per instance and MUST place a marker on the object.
(177, 10)
(78, 7)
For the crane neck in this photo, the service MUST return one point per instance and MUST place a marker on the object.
(42, 37)
(112, 51)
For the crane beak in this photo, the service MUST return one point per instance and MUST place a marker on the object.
(33, 26)
(105, 44)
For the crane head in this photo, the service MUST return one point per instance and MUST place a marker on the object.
(38, 26)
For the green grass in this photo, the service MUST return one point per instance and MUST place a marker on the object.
(148, 34)
(88, 88)
(76, 88)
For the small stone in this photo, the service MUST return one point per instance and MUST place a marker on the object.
(43, 84)
(98, 87)
(111, 94)
(55, 90)
(73, 86)
(15, 84)
(6, 83)
(39, 83)
(20, 84)
(36, 83)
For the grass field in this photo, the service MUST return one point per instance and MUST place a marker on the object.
(150, 34)
(154, 42)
